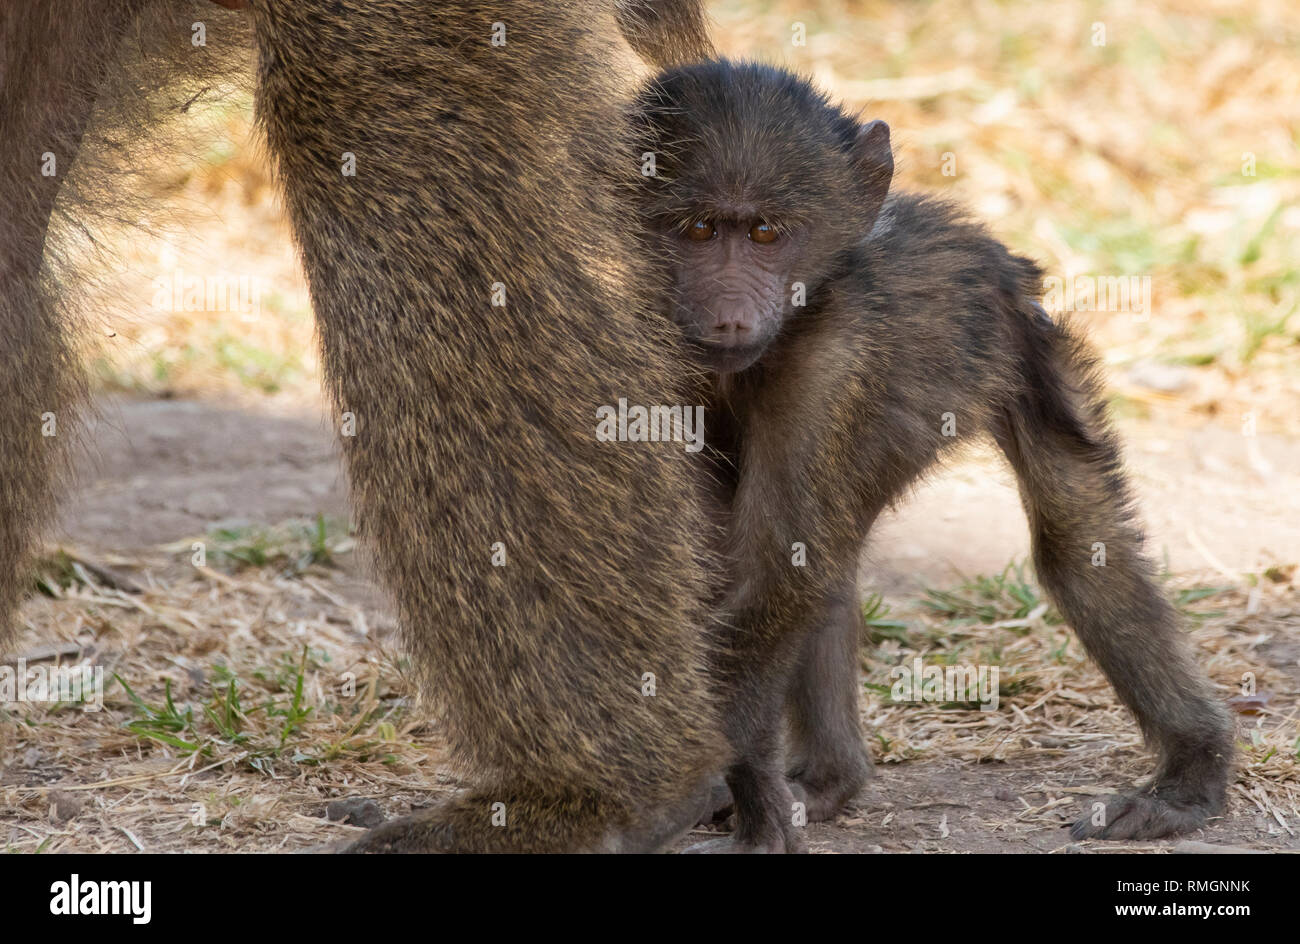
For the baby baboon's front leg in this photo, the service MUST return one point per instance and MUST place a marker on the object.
(828, 763)
(796, 649)
(765, 810)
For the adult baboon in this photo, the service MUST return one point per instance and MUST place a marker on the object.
(478, 295)
(843, 334)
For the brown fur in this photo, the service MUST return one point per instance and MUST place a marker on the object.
(665, 31)
(922, 315)
(475, 424)
(73, 72)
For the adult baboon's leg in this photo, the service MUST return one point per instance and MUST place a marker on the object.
(85, 86)
(451, 171)
(53, 57)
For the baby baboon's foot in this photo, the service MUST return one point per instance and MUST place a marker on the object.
(771, 843)
(767, 815)
(825, 789)
(719, 806)
(1186, 794)
(1140, 816)
(774, 840)
(823, 792)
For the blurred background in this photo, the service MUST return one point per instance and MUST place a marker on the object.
(1152, 139)
(1146, 154)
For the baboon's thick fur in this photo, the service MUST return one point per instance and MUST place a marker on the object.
(921, 331)
(476, 164)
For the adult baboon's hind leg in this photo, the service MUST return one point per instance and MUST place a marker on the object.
(479, 295)
(1088, 555)
(53, 58)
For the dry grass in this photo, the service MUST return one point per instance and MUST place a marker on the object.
(236, 703)
(238, 726)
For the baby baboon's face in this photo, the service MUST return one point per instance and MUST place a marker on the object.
(731, 278)
(761, 187)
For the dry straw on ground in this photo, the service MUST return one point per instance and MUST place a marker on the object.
(265, 731)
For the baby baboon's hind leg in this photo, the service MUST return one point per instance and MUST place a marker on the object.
(1088, 555)
(828, 762)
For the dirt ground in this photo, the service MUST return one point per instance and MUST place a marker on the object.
(161, 474)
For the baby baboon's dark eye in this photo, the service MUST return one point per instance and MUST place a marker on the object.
(701, 230)
(763, 233)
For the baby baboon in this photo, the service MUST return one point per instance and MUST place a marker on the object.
(851, 340)
(449, 173)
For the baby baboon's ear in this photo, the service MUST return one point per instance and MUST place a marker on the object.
(874, 160)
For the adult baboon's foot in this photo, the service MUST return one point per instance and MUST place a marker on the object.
(483, 822)
(424, 831)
